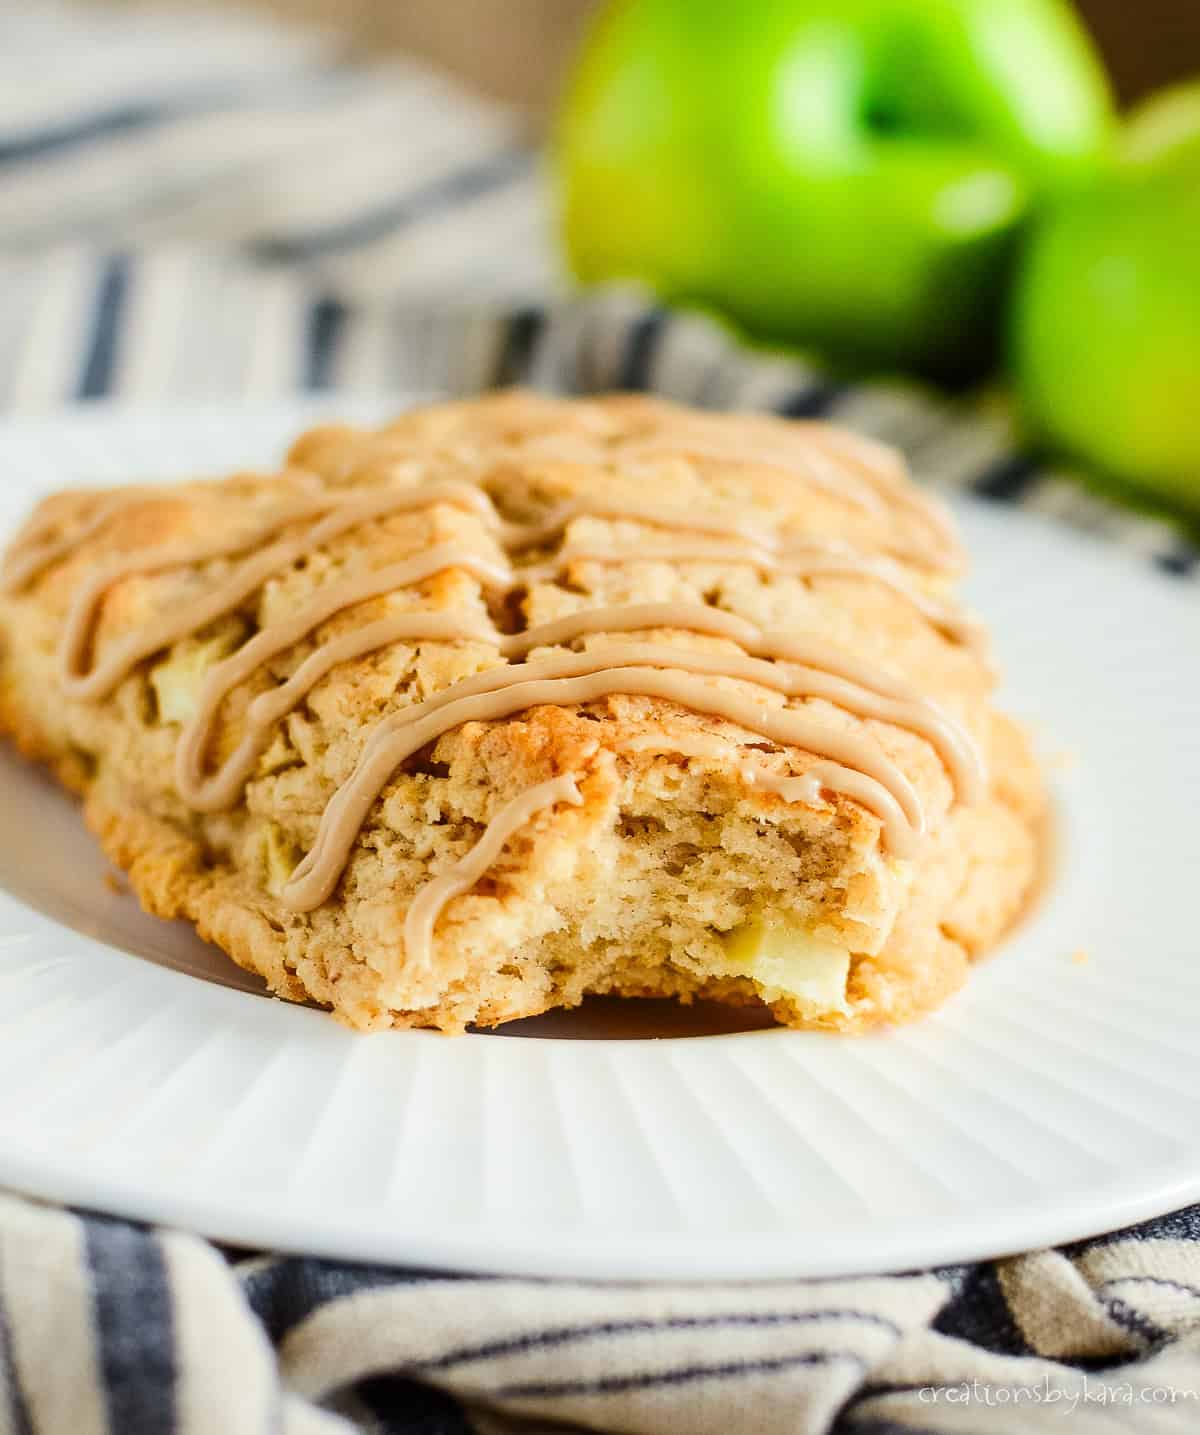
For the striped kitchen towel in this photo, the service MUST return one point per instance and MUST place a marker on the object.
(143, 128)
(108, 1327)
(196, 205)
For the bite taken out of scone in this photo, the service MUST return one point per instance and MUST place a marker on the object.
(520, 699)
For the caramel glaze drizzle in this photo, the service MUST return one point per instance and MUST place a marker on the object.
(802, 560)
(829, 776)
(426, 907)
(823, 672)
(79, 680)
(846, 466)
(338, 515)
(849, 763)
(571, 678)
(36, 550)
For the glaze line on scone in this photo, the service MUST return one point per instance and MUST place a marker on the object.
(761, 549)
(427, 905)
(820, 560)
(879, 785)
(824, 673)
(576, 679)
(272, 710)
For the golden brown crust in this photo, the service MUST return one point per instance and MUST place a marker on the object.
(671, 847)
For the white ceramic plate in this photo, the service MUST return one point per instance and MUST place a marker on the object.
(142, 1073)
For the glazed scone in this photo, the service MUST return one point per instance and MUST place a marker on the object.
(521, 699)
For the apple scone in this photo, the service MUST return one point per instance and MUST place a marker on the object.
(520, 699)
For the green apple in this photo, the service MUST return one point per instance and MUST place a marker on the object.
(1106, 318)
(1165, 132)
(847, 174)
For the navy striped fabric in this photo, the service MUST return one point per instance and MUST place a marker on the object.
(195, 205)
